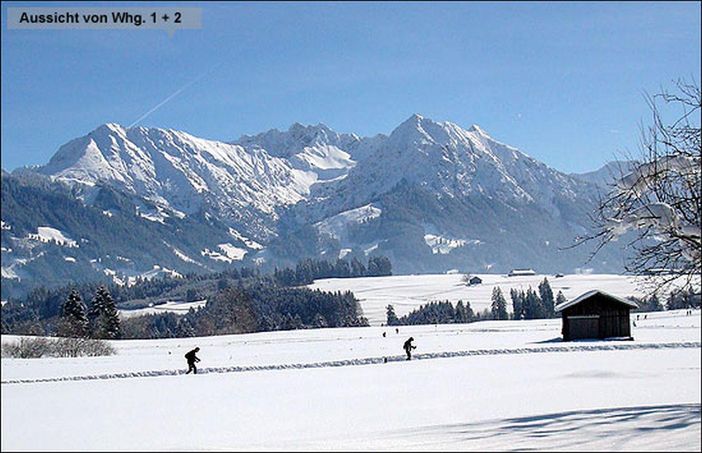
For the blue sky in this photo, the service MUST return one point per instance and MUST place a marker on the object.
(563, 82)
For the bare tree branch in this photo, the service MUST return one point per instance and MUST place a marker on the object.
(660, 199)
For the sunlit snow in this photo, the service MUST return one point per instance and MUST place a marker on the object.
(485, 386)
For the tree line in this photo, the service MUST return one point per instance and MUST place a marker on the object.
(257, 306)
(676, 300)
(37, 313)
(239, 301)
(309, 270)
(528, 304)
(533, 304)
(436, 312)
(99, 320)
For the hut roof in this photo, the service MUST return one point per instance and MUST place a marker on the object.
(518, 272)
(589, 294)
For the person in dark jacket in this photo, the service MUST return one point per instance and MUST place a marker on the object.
(408, 347)
(192, 358)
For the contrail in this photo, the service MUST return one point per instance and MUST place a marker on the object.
(177, 92)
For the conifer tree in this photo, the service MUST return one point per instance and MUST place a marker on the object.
(185, 327)
(460, 316)
(73, 320)
(104, 319)
(560, 298)
(378, 266)
(470, 316)
(391, 316)
(533, 309)
(499, 304)
(517, 303)
(357, 268)
(547, 301)
(654, 304)
(319, 321)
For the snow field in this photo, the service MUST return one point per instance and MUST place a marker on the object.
(179, 308)
(361, 361)
(326, 345)
(449, 404)
(48, 234)
(510, 385)
(337, 225)
(407, 292)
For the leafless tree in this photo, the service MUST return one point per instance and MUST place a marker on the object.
(659, 200)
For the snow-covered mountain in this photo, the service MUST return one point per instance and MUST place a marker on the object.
(453, 162)
(608, 173)
(431, 195)
(446, 197)
(182, 174)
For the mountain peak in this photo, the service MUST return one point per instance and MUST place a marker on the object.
(296, 127)
(311, 131)
(109, 128)
(476, 128)
(422, 123)
(418, 119)
(414, 121)
(417, 128)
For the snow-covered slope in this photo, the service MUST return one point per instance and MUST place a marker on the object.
(50, 238)
(337, 225)
(319, 149)
(183, 173)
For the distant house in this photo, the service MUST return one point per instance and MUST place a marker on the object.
(475, 281)
(596, 314)
(521, 272)
(559, 275)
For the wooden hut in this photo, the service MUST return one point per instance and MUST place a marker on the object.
(596, 314)
(521, 272)
(475, 281)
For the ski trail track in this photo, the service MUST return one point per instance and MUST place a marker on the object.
(368, 361)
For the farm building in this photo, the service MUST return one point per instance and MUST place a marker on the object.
(596, 314)
(521, 272)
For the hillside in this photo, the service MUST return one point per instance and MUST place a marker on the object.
(51, 238)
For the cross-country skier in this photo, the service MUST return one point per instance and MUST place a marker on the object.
(192, 358)
(408, 347)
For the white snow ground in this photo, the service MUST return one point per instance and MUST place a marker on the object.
(407, 292)
(179, 308)
(492, 385)
(48, 234)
